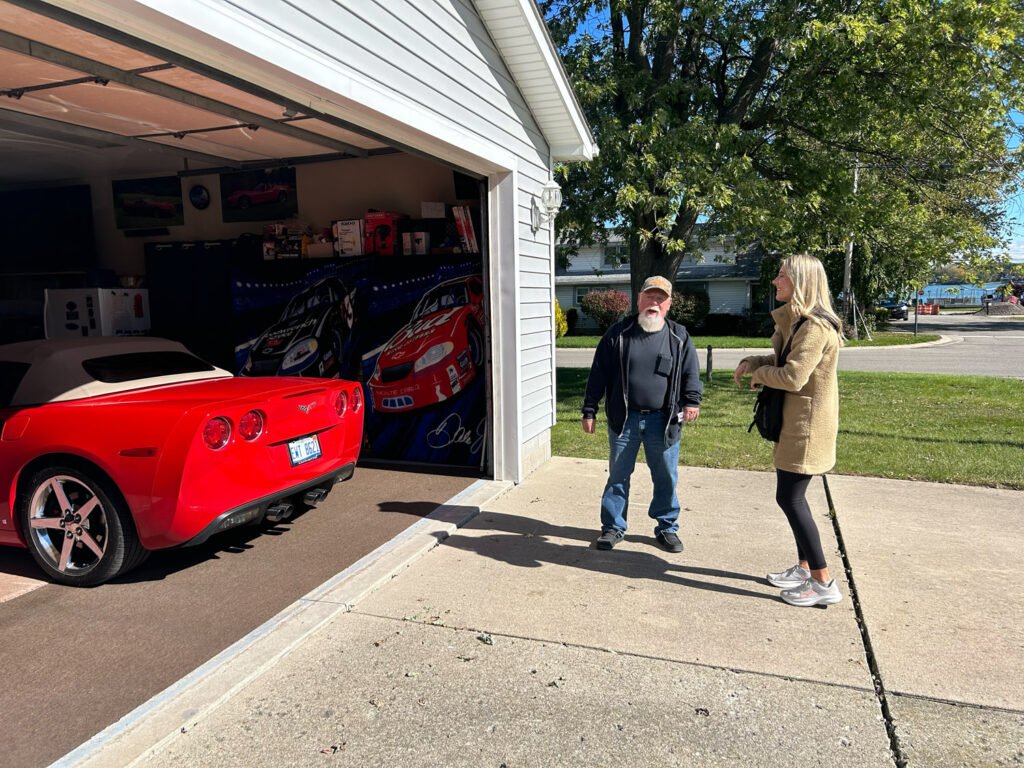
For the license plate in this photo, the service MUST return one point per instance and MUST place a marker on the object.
(304, 449)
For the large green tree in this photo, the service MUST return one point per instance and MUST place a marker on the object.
(801, 125)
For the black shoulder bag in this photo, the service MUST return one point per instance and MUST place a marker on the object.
(768, 405)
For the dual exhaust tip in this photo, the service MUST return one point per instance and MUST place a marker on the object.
(283, 510)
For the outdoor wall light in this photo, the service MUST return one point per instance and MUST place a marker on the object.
(550, 202)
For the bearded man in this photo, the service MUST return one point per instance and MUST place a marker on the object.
(646, 369)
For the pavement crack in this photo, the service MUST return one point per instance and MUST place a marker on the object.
(880, 693)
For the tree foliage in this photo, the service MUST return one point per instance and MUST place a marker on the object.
(561, 323)
(755, 118)
(605, 307)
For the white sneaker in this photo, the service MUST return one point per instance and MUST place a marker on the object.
(812, 592)
(791, 577)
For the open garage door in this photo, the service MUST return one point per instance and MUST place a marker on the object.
(267, 236)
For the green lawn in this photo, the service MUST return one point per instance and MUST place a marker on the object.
(880, 339)
(939, 428)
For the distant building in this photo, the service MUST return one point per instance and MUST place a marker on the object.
(729, 275)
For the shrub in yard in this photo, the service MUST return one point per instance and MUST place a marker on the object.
(561, 325)
(605, 307)
(571, 318)
(689, 308)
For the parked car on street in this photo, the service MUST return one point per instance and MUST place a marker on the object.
(897, 309)
(112, 447)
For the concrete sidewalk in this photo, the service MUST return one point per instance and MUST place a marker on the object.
(515, 643)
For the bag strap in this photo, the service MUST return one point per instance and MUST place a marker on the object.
(789, 344)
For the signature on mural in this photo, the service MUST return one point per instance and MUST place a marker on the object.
(451, 432)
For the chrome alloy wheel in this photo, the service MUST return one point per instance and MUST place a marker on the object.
(68, 524)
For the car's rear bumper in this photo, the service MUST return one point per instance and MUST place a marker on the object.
(254, 511)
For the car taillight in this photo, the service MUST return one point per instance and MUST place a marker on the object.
(341, 403)
(216, 433)
(357, 399)
(250, 426)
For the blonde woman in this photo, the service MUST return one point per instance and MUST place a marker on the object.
(810, 416)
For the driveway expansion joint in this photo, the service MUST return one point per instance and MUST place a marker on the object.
(895, 747)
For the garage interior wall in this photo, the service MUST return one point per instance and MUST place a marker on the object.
(338, 189)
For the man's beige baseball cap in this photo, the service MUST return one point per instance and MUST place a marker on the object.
(657, 283)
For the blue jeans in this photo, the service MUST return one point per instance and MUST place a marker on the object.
(647, 430)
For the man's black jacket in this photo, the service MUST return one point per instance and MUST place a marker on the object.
(608, 377)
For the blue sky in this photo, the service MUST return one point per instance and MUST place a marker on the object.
(1015, 206)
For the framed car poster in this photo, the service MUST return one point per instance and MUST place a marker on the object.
(264, 195)
(148, 203)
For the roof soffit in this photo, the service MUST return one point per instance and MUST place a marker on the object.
(521, 37)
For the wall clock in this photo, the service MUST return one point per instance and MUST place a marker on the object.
(199, 196)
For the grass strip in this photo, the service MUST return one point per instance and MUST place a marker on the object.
(907, 426)
(880, 339)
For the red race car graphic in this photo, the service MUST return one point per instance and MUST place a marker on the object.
(261, 194)
(112, 447)
(437, 354)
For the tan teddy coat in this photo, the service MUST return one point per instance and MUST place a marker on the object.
(810, 410)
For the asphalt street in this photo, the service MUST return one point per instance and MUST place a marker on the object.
(971, 344)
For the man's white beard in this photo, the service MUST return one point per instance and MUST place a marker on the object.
(651, 323)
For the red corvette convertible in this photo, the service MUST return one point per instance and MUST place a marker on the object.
(111, 447)
(437, 354)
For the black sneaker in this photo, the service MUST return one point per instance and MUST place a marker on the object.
(609, 538)
(669, 541)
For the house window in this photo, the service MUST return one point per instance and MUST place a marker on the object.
(580, 291)
(615, 255)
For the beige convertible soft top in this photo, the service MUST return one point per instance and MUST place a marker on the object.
(57, 373)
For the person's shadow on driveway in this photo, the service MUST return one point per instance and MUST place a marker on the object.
(529, 543)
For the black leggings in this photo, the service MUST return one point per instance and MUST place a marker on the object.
(790, 493)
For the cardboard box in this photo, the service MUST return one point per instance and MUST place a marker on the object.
(96, 312)
(432, 210)
(348, 237)
(380, 233)
(319, 250)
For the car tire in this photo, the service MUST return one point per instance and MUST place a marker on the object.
(70, 549)
(243, 202)
(282, 197)
(475, 342)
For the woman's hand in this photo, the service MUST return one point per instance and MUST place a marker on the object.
(741, 370)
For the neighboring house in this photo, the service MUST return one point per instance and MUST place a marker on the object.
(730, 278)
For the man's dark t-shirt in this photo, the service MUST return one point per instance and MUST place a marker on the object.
(649, 368)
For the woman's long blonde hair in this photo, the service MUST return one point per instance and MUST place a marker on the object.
(811, 296)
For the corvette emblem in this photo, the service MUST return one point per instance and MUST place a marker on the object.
(307, 408)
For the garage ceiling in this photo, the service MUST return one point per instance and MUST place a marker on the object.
(75, 104)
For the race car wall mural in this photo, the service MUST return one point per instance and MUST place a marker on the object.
(418, 343)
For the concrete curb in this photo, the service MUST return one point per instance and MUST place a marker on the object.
(178, 707)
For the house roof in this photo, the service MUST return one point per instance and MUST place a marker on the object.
(746, 267)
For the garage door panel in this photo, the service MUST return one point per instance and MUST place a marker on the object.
(45, 30)
(19, 71)
(243, 144)
(210, 89)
